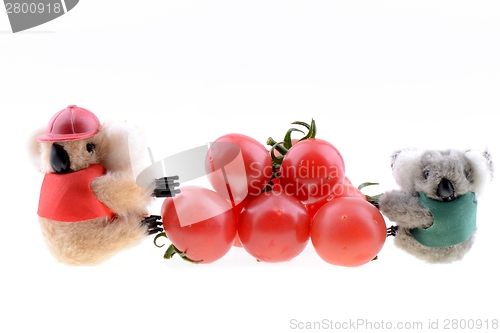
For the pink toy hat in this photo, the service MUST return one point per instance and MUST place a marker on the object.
(71, 123)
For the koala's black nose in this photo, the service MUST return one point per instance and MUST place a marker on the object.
(59, 159)
(445, 190)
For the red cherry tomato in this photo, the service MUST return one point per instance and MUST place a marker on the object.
(274, 227)
(238, 165)
(310, 170)
(348, 232)
(339, 191)
(199, 223)
(347, 190)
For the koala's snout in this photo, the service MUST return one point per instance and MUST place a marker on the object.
(445, 190)
(59, 159)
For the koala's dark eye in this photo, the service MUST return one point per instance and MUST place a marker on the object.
(426, 174)
(90, 147)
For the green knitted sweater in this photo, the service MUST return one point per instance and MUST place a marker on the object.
(454, 221)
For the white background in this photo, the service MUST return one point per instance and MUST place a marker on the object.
(375, 75)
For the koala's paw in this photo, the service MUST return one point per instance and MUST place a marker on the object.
(405, 210)
(392, 231)
(153, 224)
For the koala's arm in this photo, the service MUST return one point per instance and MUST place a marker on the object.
(405, 209)
(120, 192)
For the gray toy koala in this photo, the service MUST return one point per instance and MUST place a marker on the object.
(435, 210)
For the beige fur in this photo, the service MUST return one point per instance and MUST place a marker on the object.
(91, 242)
(94, 241)
(119, 191)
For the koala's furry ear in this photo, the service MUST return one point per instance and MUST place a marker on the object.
(405, 163)
(38, 152)
(482, 169)
(121, 146)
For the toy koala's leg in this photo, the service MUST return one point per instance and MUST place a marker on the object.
(91, 242)
(406, 242)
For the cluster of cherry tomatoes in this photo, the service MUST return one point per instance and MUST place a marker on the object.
(271, 202)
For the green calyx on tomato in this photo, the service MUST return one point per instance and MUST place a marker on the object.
(171, 250)
(283, 146)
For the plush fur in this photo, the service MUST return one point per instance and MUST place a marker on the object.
(422, 171)
(93, 241)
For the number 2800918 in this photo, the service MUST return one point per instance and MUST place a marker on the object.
(32, 8)
(477, 324)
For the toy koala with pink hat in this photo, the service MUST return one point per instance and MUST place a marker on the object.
(90, 205)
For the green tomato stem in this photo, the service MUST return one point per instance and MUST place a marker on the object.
(171, 250)
(312, 129)
(287, 141)
(161, 234)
